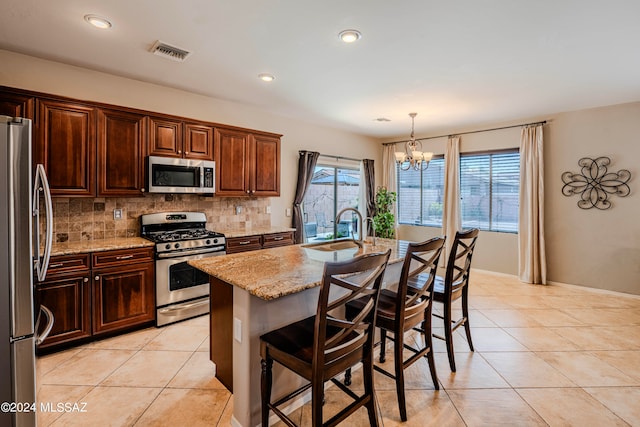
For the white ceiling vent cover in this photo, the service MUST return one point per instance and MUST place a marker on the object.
(171, 52)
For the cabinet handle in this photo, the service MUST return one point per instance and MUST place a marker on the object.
(97, 278)
(121, 257)
(278, 238)
(86, 279)
(246, 242)
(56, 265)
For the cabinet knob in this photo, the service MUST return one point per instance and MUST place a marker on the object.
(186, 152)
(248, 192)
(142, 190)
(85, 280)
(97, 278)
(179, 151)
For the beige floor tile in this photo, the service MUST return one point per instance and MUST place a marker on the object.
(460, 343)
(205, 346)
(602, 337)
(476, 319)
(488, 302)
(87, 367)
(626, 361)
(552, 317)
(472, 371)
(494, 407)
(541, 339)
(50, 396)
(186, 407)
(227, 414)
(130, 341)
(179, 337)
(494, 339)
(510, 318)
(569, 407)
(622, 401)
(49, 362)
(148, 369)
(522, 369)
(334, 401)
(197, 372)
(424, 408)
(606, 316)
(586, 370)
(110, 406)
(533, 301)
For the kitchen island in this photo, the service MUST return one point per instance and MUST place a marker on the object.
(256, 292)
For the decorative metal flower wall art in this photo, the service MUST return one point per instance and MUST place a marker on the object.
(594, 183)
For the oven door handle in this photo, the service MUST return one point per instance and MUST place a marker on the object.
(188, 253)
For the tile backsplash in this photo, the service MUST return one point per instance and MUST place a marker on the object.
(77, 219)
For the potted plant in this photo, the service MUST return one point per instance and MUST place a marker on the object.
(384, 221)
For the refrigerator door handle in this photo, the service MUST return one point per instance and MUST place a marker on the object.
(40, 337)
(42, 185)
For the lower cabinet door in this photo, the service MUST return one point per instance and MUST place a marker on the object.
(69, 300)
(123, 297)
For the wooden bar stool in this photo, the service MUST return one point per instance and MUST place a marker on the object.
(403, 310)
(322, 346)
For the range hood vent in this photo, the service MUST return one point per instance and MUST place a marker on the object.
(171, 52)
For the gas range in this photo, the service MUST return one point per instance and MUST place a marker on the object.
(180, 233)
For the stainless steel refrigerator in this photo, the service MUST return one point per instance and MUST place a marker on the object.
(25, 246)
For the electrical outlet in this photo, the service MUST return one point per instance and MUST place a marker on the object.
(237, 329)
(287, 212)
(238, 210)
(268, 209)
(117, 214)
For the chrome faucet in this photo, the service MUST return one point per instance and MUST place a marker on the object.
(373, 229)
(360, 223)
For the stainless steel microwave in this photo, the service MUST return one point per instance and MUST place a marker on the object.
(175, 175)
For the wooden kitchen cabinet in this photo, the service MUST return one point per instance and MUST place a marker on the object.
(65, 143)
(16, 105)
(259, 241)
(123, 293)
(246, 164)
(121, 153)
(66, 292)
(170, 137)
(198, 141)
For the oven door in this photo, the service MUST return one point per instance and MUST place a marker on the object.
(177, 281)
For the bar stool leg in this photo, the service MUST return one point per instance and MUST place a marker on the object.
(266, 381)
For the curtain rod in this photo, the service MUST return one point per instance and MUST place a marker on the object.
(473, 131)
(340, 157)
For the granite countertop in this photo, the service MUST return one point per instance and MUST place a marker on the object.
(273, 273)
(70, 248)
(253, 231)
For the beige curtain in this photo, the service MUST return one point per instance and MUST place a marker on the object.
(451, 221)
(389, 176)
(532, 265)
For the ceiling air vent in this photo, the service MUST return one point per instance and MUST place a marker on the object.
(171, 52)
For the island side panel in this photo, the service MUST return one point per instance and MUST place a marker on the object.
(221, 330)
(258, 317)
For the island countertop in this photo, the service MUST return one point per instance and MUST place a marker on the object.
(273, 273)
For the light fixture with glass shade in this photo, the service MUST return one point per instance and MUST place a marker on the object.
(413, 157)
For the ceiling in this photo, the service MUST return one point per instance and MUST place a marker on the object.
(458, 64)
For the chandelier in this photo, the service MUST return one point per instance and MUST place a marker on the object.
(413, 156)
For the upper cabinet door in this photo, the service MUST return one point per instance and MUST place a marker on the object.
(121, 151)
(165, 137)
(265, 176)
(16, 105)
(65, 143)
(232, 162)
(198, 141)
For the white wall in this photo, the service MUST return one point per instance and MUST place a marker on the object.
(35, 74)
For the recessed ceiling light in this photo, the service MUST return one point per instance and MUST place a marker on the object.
(98, 21)
(266, 77)
(349, 36)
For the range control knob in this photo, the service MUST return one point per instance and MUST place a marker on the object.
(167, 246)
(208, 241)
(215, 240)
(177, 245)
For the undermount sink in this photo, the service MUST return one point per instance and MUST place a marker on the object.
(333, 245)
(333, 250)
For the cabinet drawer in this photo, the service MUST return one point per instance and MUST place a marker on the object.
(278, 239)
(243, 244)
(61, 264)
(124, 256)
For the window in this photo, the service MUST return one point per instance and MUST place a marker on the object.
(421, 194)
(489, 186)
(332, 189)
